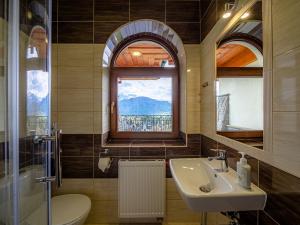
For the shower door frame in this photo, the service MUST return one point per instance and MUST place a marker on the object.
(13, 109)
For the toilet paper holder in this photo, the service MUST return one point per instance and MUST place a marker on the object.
(104, 152)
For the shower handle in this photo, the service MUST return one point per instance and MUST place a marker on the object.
(45, 179)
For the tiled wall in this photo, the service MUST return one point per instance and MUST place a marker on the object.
(283, 127)
(283, 189)
(78, 88)
(80, 154)
(80, 157)
(104, 196)
(286, 83)
(212, 12)
(76, 21)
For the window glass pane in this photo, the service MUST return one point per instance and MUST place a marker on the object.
(145, 104)
(239, 104)
(37, 101)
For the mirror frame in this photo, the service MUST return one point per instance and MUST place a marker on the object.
(239, 10)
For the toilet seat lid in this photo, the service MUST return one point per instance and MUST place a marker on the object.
(68, 208)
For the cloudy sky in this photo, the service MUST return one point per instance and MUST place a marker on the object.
(37, 84)
(160, 89)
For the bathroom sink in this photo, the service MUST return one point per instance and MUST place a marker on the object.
(205, 190)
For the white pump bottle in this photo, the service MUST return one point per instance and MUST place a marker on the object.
(243, 172)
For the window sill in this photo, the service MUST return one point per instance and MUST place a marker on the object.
(145, 143)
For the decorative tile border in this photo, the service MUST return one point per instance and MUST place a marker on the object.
(80, 154)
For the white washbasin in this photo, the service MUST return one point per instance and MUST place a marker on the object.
(220, 191)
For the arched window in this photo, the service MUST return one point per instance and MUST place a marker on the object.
(144, 89)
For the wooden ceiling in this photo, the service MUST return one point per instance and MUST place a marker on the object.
(38, 40)
(150, 55)
(234, 55)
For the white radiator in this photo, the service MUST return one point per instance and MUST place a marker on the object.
(142, 189)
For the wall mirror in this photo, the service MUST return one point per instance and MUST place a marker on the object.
(239, 80)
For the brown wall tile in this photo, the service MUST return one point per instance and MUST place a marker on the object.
(2, 8)
(188, 32)
(75, 32)
(204, 5)
(113, 10)
(77, 167)
(183, 11)
(147, 152)
(264, 219)
(54, 32)
(208, 20)
(283, 191)
(147, 9)
(54, 10)
(75, 10)
(77, 145)
(102, 30)
(248, 217)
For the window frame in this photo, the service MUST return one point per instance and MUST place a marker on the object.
(117, 72)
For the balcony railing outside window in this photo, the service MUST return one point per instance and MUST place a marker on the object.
(145, 123)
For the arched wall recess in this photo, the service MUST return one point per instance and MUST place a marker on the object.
(136, 30)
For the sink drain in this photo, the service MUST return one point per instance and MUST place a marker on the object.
(205, 188)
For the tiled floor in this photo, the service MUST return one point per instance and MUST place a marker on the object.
(148, 224)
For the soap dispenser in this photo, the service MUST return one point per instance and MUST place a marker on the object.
(243, 172)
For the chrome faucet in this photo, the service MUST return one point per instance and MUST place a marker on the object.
(222, 156)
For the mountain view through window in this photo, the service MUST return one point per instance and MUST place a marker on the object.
(145, 104)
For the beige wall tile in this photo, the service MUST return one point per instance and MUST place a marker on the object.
(75, 77)
(286, 25)
(54, 117)
(193, 122)
(76, 186)
(105, 190)
(54, 78)
(76, 122)
(177, 211)
(286, 141)
(172, 193)
(54, 100)
(103, 212)
(97, 122)
(98, 77)
(75, 55)
(97, 100)
(75, 100)
(98, 54)
(193, 103)
(54, 56)
(286, 85)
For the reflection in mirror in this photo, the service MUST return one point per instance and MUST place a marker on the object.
(239, 84)
(37, 83)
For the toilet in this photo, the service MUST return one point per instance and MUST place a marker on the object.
(70, 209)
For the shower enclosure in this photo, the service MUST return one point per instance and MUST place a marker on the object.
(25, 127)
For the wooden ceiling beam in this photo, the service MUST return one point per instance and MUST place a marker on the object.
(226, 72)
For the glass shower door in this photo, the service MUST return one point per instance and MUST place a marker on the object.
(25, 34)
(5, 176)
(24, 112)
(34, 112)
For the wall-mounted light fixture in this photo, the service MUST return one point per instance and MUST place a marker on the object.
(245, 15)
(228, 10)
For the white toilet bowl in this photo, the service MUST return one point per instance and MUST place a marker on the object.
(70, 209)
